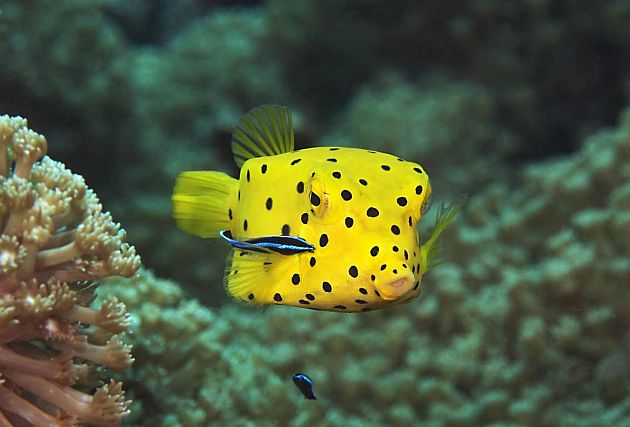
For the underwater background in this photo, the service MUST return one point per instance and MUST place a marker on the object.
(521, 104)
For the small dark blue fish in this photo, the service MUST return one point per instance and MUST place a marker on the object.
(305, 384)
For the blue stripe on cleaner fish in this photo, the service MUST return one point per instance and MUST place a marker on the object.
(284, 245)
(324, 228)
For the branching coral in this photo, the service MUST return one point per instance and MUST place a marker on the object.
(55, 237)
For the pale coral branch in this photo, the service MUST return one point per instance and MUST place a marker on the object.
(115, 354)
(58, 368)
(59, 239)
(105, 408)
(16, 331)
(59, 255)
(111, 316)
(13, 403)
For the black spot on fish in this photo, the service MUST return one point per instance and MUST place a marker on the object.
(286, 230)
(363, 291)
(413, 269)
(404, 265)
(353, 271)
(363, 182)
(376, 292)
(334, 148)
(315, 200)
(402, 201)
(296, 161)
(310, 297)
(230, 213)
(395, 271)
(374, 251)
(239, 195)
(410, 222)
(304, 218)
(366, 309)
(332, 160)
(300, 187)
(349, 222)
(360, 301)
(416, 285)
(385, 167)
(336, 174)
(406, 255)
(373, 277)
(340, 307)
(263, 168)
(312, 261)
(304, 302)
(372, 212)
(395, 230)
(277, 297)
(346, 195)
(326, 287)
(269, 203)
(418, 170)
(250, 296)
(295, 279)
(419, 189)
(248, 176)
(383, 267)
(395, 248)
(245, 225)
(323, 240)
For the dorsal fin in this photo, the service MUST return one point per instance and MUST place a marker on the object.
(264, 131)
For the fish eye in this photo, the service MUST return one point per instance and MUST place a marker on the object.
(315, 199)
(318, 197)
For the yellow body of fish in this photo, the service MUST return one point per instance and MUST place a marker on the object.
(357, 209)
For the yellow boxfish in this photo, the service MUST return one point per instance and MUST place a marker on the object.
(328, 228)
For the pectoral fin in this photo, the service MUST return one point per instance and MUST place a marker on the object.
(431, 250)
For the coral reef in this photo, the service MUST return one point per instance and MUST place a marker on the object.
(525, 324)
(55, 238)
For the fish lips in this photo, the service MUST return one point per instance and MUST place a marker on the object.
(396, 288)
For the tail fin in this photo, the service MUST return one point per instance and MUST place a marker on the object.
(201, 201)
(431, 250)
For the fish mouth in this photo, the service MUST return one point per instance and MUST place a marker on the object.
(396, 288)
